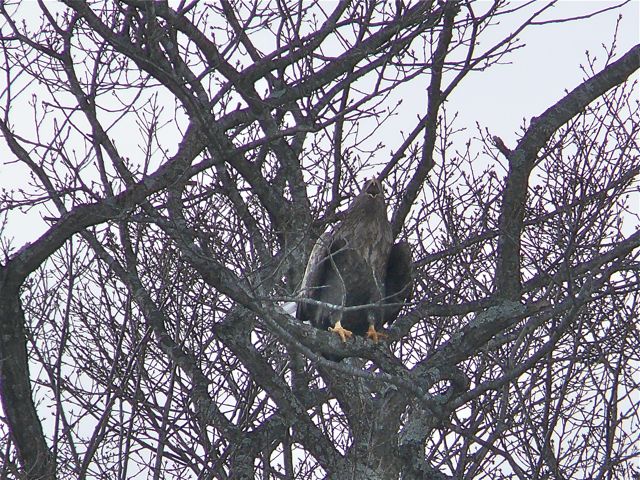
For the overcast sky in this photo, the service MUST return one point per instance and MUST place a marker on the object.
(499, 98)
(548, 65)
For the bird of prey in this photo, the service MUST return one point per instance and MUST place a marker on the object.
(357, 264)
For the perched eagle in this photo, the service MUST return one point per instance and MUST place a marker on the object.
(357, 264)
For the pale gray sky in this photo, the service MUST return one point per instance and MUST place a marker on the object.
(534, 78)
(549, 64)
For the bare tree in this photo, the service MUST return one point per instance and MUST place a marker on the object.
(184, 159)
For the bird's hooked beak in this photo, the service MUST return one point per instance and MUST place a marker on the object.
(373, 188)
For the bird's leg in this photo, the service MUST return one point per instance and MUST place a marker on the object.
(375, 335)
(341, 331)
(337, 316)
(372, 333)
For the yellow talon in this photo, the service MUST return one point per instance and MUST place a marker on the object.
(340, 330)
(375, 335)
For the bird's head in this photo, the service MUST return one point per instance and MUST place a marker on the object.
(370, 201)
(367, 214)
(373, 188)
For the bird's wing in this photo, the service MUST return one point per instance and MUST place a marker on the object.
(314, 275)
(398, 281)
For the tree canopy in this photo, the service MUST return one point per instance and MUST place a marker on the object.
(178, 161)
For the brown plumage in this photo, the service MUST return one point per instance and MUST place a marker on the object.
(357, 264)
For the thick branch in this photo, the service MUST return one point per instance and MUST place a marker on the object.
(523, 158)
(430, 121)
(15, 387)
